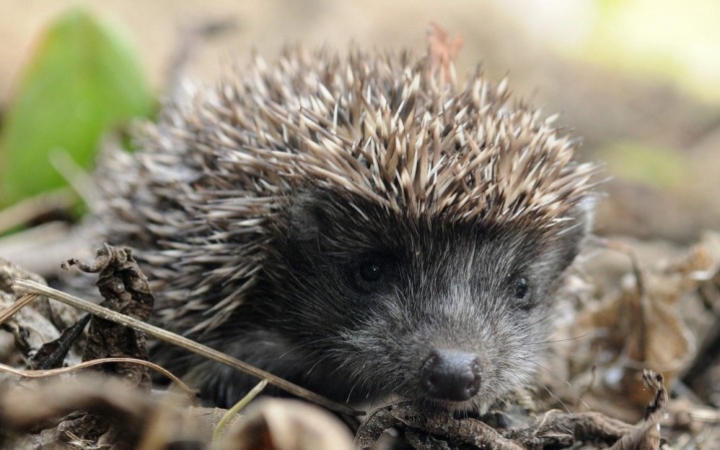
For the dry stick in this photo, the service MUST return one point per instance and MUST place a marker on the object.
(95, 362)
(31, 287)
(235, 410)
(27, 210)
(10, 311)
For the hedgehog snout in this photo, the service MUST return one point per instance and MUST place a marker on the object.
(452, 375)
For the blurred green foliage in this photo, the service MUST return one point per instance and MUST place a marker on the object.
(81, 80)
(645, 164)
(665, 39)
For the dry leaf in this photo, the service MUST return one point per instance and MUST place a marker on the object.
(280, 424)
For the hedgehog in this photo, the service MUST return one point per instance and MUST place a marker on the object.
(360, 224)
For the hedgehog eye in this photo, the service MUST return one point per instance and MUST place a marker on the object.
(371, 271)
(521, 288)
(368, 276)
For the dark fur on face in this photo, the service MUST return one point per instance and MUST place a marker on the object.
(367, 295)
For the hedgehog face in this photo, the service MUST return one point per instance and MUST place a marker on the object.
(444, 312)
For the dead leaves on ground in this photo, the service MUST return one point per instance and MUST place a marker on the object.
(639, 324)
(553, 429)
(137, 421)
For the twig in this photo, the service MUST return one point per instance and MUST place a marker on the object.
(254, 392)
(83, 365)
(23, 212)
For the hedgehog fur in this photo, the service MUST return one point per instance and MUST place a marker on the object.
(264, 208)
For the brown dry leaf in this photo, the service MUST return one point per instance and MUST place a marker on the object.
(442, 49)
(53, 354)
(280, 424)
(36, 341)
(125, 289)
(25, 409)
(430, 429)
(702, 374)
(641, 327)
(170, 425)
(137, 420)
(29, 326)
(647, 435)
(60, 315)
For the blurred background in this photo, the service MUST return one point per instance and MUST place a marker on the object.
(639, 80)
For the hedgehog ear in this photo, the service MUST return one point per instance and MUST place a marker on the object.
(306, 218)
(568, 242)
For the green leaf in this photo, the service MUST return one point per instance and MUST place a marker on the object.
(81, 80)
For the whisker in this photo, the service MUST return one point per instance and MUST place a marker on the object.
(352, 389)
(307, 344)
(563, 380)
(548, 390)
(317, 363)
(550, 341)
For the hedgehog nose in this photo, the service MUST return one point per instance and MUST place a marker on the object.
(451, 375)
